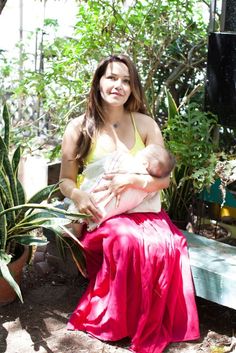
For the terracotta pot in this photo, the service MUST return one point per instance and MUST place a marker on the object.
(7, 293)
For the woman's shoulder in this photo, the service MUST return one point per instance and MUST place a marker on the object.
(77, 121)
(143, 121)
(148, 129)
(74, 124)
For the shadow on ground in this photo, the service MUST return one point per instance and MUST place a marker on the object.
(39, 325)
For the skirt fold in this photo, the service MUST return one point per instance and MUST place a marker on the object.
(140, 283)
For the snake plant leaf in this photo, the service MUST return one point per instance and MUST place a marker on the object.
(76, 251)
(9, 171)
(4, 183)
(3, 228)
(48, 223)
(42, 217)
(45, 222)
(4, 257)
(6, 274)
(53, 210)
(55, 222)
(20, 192)
(38, 215)
(43, 194)
(16, 160)
(79, 258)
(7, 202)
(31, 240)
(6, 118)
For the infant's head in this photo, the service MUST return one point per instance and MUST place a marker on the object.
(158, 160)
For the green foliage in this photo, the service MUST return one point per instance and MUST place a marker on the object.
(189, 135)
(166, 40)
(18, 217)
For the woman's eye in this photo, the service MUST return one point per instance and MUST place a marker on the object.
(127, 81)
(111, 78)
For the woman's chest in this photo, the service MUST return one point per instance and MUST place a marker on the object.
(107, 143)
(116, 139)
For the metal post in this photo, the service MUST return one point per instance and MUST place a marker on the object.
(228, 16)
(212, 16)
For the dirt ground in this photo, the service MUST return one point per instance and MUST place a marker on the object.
(39, 325)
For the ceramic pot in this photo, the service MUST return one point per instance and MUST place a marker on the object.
(7, 293)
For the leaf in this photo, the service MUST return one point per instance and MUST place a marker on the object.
(21, 193)
(55, 222)
(7, 167)
(16, 160)
(172, 107)
(31, 240)
(75, 247)
(3, 228)
(6, 118)
(48, 222)
(4, 260)
(53, 210)
(43, 194)
(7, 201)
(38, 215)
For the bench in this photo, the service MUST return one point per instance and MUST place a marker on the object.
(213, 266)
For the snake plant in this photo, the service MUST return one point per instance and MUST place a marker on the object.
(19, 218)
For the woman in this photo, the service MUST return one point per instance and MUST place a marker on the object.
(140, 281)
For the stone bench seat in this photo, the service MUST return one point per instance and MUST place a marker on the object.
(213, 266)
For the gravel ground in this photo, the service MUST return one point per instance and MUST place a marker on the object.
(39, 325)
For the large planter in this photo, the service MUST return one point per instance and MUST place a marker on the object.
(7, 293)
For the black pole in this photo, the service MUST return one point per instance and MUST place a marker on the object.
(228, 16)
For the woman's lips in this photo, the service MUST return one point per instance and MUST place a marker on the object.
(116, 94)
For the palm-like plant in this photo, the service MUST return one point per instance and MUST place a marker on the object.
(189, 135)
(20, 217)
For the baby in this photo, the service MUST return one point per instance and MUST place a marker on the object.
(154, 160)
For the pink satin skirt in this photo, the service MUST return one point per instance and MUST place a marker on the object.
(140, 283)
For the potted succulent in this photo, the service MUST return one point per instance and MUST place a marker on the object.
(20, 218)
(189, 135)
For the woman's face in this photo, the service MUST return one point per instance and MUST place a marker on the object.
(115, 84)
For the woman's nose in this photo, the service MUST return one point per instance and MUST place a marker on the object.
(118, 84)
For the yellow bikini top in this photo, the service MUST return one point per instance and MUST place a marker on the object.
(97, 152)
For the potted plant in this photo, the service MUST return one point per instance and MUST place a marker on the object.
(221, 195)
(20, 218)
(189, 136)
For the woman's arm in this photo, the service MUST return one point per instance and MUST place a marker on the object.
(69, 171)
(69, 164)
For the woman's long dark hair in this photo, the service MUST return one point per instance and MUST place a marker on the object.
(94, 116)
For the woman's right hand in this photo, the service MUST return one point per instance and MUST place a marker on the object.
(86, 204)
